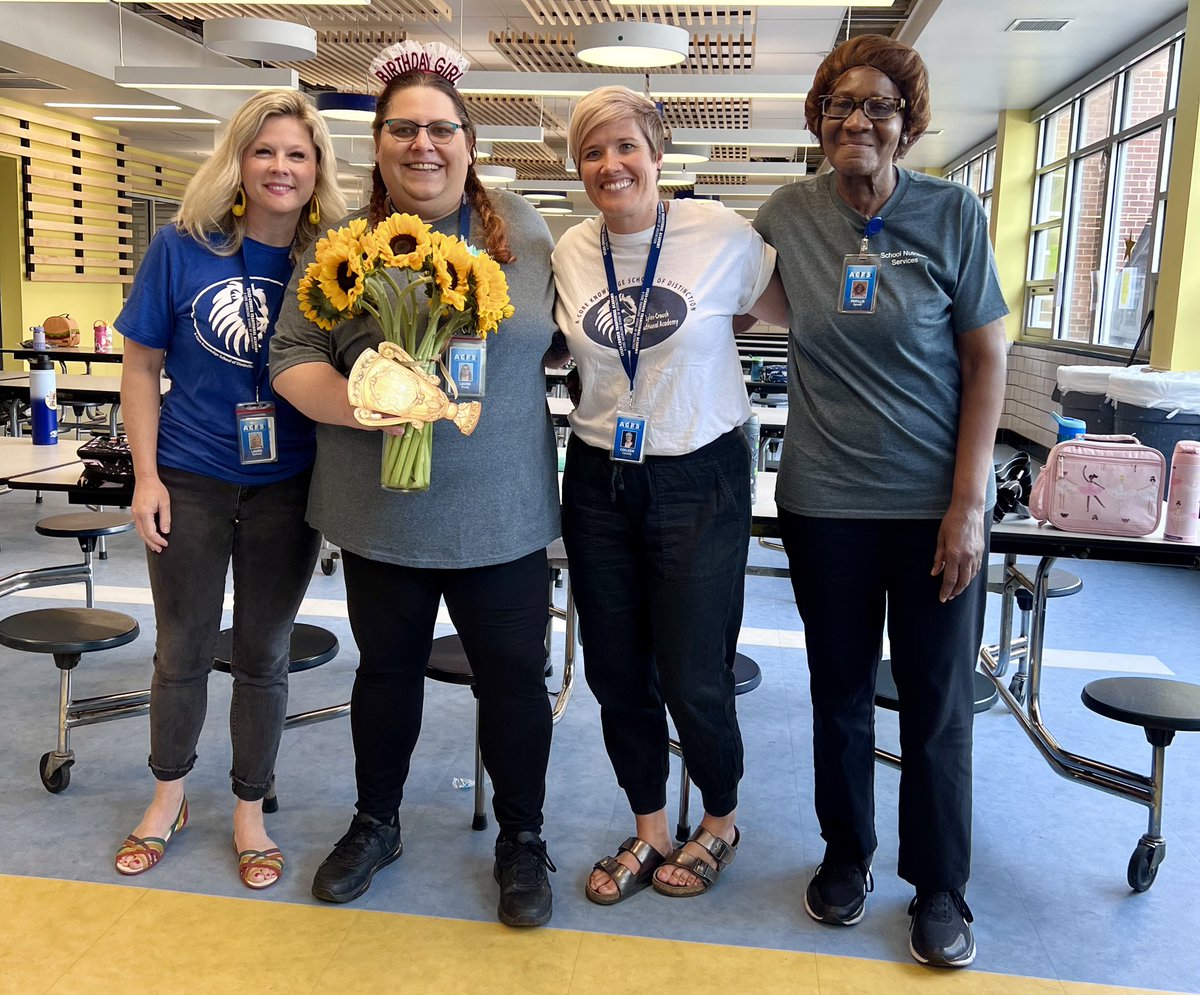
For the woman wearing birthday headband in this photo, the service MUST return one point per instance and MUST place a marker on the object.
(477, 537)
(886, 482)
(223, 470)
(656, 494)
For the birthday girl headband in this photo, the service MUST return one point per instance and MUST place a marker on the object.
(411, 56)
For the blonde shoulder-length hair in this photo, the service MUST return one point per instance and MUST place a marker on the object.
(206, 213)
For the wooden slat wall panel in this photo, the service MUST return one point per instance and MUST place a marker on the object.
(380, 12)
(573, 12)
(344, 57)
(76, 182)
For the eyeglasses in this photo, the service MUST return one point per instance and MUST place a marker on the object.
(404, 130)
(875, 108)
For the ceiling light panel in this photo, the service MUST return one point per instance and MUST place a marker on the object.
(116, 107)
(770, 137)
(203, 78)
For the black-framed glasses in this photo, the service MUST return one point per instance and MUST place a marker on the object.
(404, 130)
(838, 107)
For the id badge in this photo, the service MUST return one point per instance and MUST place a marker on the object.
(629, 437)
(256, 432)
(860, 282)
(467, 362)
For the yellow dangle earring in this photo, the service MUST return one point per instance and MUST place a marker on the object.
(239, 203)
(314, 210)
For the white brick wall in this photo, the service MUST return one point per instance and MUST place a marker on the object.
(1032, 377)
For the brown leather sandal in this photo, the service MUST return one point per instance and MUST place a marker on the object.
(721, 852)
(628, 882)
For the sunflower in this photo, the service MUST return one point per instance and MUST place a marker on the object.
(456, 256)
(314, 305)
(402, 241)
(340, 271)
(490, 294)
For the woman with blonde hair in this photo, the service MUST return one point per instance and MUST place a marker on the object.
(222, 471)
(656, 494)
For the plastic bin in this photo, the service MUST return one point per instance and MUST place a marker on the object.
(1081, 392)
(1160, 408)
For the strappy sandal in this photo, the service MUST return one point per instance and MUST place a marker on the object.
(721, 852)
(250, 861)
(628, 882)
(149, 848)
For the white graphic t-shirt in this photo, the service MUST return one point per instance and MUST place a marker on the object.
(689, 379)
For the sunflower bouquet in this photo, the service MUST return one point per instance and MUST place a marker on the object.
(423, 288)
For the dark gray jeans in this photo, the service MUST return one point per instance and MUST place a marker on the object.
(263, 531)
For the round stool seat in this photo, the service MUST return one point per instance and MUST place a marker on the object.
(1062, 583)
(886, 695)
(67, 630)
(747, 675)
(311, 647)
(85, 524)
(448, 662)
(1149, 702)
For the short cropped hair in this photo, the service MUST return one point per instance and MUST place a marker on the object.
(898, 62)
(615, 103)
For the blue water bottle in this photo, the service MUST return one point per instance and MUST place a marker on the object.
(43, 402)
(1068, 428)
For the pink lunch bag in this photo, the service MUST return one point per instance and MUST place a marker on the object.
(1101, 484)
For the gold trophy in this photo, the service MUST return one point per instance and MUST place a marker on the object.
(388, 387)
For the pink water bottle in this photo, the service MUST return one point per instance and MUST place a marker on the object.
(1183, 494)
(103, 337)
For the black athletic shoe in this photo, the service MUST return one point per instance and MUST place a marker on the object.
(837, 893)
(367, 846)
(521, 865)
(940, 933)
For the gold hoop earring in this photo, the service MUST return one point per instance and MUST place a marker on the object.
(239, 203)
(314, 210)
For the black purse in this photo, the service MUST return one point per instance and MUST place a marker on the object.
(1014, 481)
(107, 458)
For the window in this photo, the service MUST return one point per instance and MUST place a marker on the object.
(148, 215)
(977, 173)
(1100, 200)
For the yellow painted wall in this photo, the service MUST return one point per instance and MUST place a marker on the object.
(1012, 208)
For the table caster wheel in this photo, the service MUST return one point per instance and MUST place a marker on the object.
(1143, 865)
(54, 779)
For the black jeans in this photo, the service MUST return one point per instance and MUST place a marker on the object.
(263, 531)
(658, 568)
(501, 613)
(847, 573)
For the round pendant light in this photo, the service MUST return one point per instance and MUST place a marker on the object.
(483, 148)
(495, 176)
(684, 154)
(346, 106)
(544, 195)
(631, 44)
(554, 209)
(260, 38)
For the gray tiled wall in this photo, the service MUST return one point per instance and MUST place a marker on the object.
(1032, 376)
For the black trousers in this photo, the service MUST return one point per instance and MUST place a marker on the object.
(500, 613)
(847, 574)
(658, 568)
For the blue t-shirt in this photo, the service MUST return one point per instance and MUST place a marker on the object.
(191, 303)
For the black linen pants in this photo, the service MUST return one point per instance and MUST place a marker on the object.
(657, 553)
(500, 613)
(847, 575)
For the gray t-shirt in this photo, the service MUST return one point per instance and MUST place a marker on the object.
(874, 399)
(493, 495)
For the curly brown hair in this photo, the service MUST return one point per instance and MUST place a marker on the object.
(898, 62)
(494, 230)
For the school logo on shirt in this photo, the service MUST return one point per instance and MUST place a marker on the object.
(665, 312)
(229, 325)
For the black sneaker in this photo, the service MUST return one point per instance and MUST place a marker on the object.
(367, 846)
(837, 893)
(521, 865)
(940, 933)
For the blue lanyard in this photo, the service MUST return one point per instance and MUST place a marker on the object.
(629, 344)
(464, 220)
(251, 318)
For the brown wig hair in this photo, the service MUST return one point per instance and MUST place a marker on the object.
(897, 61)
(495, 234)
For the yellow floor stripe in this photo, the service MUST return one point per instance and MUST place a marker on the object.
(82, 938)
